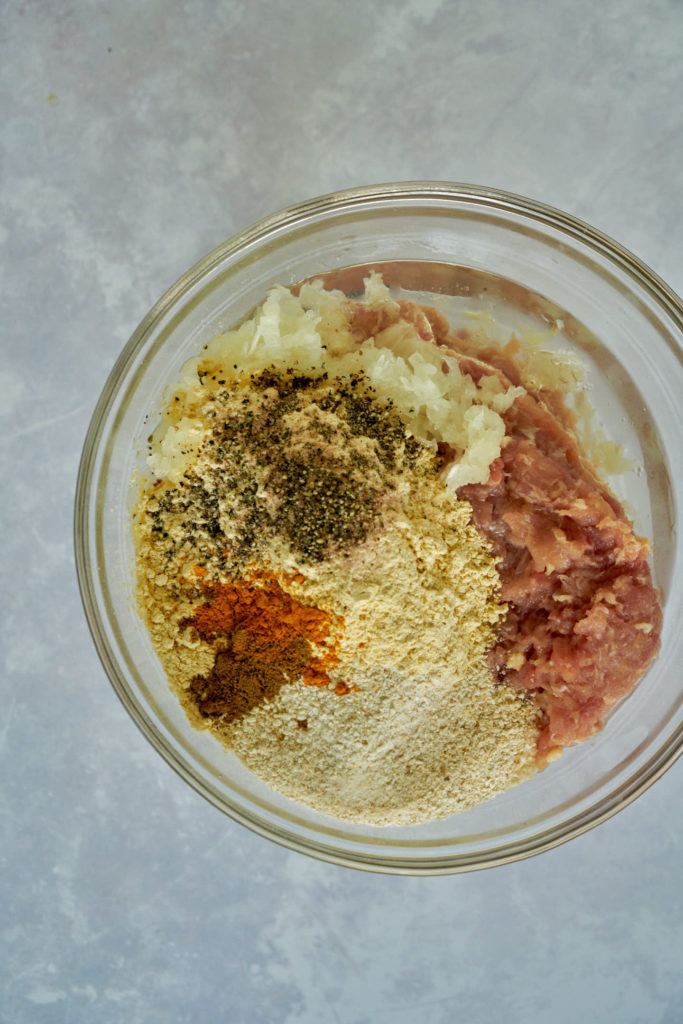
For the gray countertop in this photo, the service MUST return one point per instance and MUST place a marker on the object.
(135, 137)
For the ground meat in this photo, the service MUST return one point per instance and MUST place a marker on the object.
(584, 620)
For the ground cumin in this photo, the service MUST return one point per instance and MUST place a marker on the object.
(246, 673)
(264, 638)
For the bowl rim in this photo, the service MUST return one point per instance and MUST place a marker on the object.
(407, 193)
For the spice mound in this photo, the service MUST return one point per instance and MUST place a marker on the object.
(375, 563)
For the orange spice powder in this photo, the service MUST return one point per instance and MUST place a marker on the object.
(268, 613)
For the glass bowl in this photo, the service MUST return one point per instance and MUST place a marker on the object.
(469, 250)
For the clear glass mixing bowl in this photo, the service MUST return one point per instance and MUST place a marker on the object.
(467, 249)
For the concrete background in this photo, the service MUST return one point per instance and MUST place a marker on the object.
(135, 137)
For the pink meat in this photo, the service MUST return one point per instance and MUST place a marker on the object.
(583, 620)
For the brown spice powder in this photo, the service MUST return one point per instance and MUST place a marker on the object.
(248, 672)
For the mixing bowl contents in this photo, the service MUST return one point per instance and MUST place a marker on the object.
(375, 561)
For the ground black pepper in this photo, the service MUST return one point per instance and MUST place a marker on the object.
(295, 456)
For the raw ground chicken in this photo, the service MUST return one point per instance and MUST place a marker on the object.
(583, 618)
(490, 600)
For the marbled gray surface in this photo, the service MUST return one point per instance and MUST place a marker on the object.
(135, 137)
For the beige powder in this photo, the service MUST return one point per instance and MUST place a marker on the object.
(403, 750)
(425, 731)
